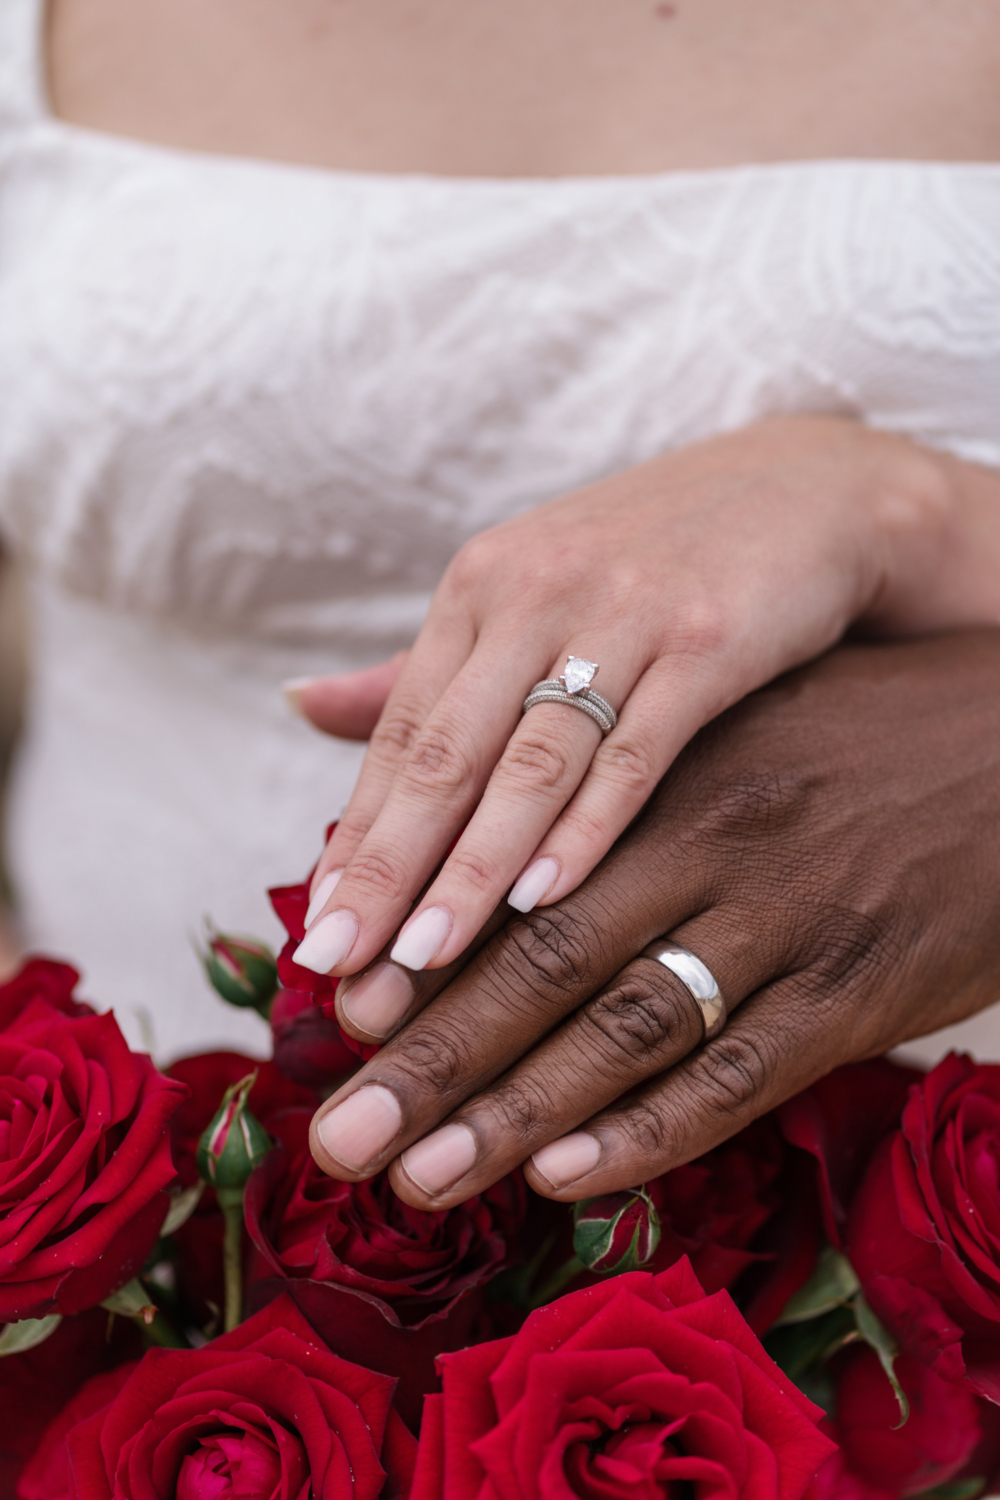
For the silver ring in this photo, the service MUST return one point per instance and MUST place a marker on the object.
(696, 979)
(573, 688)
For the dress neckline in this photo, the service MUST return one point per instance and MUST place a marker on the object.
(34, 12)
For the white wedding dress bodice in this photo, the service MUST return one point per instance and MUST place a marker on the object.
(249, 411)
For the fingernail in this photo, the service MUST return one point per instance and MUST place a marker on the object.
(566, 1160)
(328, 942)
(537, 880)
(440, 1159)
(360, 1129)
(379, 1000)
(422, 938)
(322, 894)
(293, 690)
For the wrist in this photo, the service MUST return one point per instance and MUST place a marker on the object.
(938, 535)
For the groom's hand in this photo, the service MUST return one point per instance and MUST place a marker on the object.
(828, 848)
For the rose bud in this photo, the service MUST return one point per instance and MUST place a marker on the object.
(619, 1232)
(243, 972)
(233, 1144)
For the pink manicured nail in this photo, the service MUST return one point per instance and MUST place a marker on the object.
(379, 1000)
(422, 938)
(440, 1159)
(536, 882)
(322, 894)
(565, 1161)
(293, 690)
(328, 942)
(358, 1131)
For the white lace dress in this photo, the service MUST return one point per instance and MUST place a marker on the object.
(249, 411)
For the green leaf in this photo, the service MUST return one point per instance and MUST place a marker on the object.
(880, 1339)
(132, 1301)
(182, 1206)
(28, 1334)
(802, 1349)
(958, 1489)
(832, 1284)
(592, 1240)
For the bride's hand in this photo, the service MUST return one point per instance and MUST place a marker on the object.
(828, 849)
(692, 581)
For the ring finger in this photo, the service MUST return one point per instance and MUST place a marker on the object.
(643, 1023)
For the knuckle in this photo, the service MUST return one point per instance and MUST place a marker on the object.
(639, 1020)
(394, 734)
(377, 875)
(437, 762)
(701, 628)
(533, 761)
(733, 1073)
(850, 946)
(522, 1110)
(753, 804)
(432, 1058)
(475, 869)
(553, 948)
(474, 561)
(353, 827)
(648, 1129)
(627, 763)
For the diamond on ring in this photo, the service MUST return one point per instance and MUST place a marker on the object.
(579, 674)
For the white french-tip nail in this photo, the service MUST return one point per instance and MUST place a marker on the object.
(293, 690)
(328, 942)
(423, 938)
(536, 882)
(322, 894)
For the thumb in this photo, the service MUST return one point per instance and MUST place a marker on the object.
(347, 705)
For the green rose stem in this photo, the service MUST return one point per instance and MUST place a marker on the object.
(230, 1148)
(231, 1203)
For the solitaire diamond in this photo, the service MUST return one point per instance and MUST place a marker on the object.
(579, 674)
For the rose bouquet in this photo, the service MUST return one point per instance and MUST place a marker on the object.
(191, 1309)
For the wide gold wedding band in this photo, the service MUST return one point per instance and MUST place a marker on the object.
(696, 979)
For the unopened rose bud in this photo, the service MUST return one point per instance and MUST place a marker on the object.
(619, 1232)
(233, 1144)
(242, 971)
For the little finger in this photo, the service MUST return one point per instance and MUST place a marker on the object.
(780, 1042)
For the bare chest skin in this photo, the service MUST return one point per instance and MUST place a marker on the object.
(535, 87)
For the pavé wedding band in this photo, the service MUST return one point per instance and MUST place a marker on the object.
(696, 979)
(573, 687)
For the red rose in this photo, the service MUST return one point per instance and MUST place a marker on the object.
(877, 1455)
(924, 1227)
(41, 979)
(840, 1121)
(308, 1046)
(384, 1282)
(47, 1476)
(638, 1386)
(265, 1410)
(36, 1385)
(743, 1213)
(291, 902)
(86, 1161)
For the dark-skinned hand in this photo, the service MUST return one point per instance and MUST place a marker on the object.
(828, 847)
